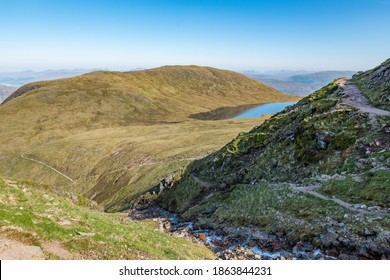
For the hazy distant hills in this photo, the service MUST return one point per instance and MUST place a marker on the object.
(18, 79)
(297, 82)
(6, 91)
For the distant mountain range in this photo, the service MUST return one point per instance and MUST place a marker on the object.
(297, 82)
(6, 91)
(17, 79)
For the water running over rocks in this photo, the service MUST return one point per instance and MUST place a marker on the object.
(229, 243)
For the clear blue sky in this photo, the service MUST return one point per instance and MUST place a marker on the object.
(237, 35)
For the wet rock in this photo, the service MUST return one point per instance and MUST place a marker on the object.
(374, 208)
(333, 252)
(367, 232)
(364, 253)
(297, 248)
(329, 238)
(346, 257)
(201, 236)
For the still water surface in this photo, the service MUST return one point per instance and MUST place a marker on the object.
(269, 108)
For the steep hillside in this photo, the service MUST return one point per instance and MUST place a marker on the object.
(112, 136)
(37, 223)
(318, 169)
(375, 84)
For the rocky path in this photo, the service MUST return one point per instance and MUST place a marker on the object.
(354, 97)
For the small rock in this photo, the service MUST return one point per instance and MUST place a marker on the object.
(86, 234)
(363, 252)
(74, 198)
(333, 252)
(251, 244)
(297, 248)
(165, 225)
(65, 223)
(329, 238)
(202, 236)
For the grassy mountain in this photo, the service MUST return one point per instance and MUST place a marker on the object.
(317, 169)
(111, 136)
(37, 223)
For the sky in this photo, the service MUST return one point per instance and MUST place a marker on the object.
(237, 35)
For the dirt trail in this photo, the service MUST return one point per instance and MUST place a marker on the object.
(15, 250)
(48, 166)
(349, 206)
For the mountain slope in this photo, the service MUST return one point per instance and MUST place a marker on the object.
(327, 158)
(37, 223)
